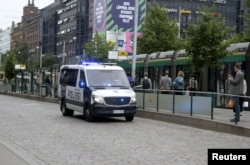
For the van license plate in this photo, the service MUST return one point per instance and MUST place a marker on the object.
(118, 111)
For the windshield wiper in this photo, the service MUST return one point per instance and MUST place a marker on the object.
(121, 86)
(99, 87)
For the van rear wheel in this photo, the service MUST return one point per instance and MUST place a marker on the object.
(88, 116)
(129, 117)
(65, 110)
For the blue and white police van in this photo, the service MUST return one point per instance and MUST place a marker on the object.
(96, 90)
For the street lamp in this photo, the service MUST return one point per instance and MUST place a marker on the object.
(41, 58)
(0, 59)
(135, 39)
(37, 52)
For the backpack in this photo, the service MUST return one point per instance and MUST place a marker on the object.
(176, 83)
(145, 83)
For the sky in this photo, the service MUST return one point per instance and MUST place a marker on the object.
(12, 10)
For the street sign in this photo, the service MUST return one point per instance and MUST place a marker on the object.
(122, 53)
(20, 66)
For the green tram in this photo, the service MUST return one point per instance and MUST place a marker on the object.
(159, 62)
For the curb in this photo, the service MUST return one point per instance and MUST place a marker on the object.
(32, 97)
(195, 122)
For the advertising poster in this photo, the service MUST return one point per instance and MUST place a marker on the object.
(120, 15)
(99, 14)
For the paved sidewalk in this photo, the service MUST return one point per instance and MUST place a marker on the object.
(11, 154)
(8, 157)
(224, 116)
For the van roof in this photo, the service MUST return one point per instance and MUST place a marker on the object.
(93, 67)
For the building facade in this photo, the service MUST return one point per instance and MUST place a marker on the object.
(186, 12)
(63, 27)
(4, 43)
(31, 28)
(5, 40)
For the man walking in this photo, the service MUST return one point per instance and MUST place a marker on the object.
(237, 90)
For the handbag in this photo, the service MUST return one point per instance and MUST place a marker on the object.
(163, 88)
(230, 103)
(245, 104)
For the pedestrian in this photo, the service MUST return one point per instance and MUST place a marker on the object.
(178, 83)
(236, 90)
(227, 89)
(146, 82)
(48, 85)
(193, 85)
(243, 94)
(131, 82)
(47, 80)
(165, 83)
(241, 99)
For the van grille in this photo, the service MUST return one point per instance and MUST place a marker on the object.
(117, 100)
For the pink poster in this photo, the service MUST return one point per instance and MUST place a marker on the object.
(129, 41)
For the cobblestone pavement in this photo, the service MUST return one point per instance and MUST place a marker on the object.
(39, 129)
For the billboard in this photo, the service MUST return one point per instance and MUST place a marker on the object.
(112, 15)
(124, 40)
(116, 19)
(99, 20)
(120, 14)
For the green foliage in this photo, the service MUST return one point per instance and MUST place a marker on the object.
(22, 54)
(159, 33)
(48, 60)
(207, 41)
(98, 48)
(9, 66)
(236, 38)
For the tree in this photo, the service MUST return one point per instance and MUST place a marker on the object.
(206, 42)
(9, 66)
(22, 54)
(98, 48)
(48, 60)
(159, 33)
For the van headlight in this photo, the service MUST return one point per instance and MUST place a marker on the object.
(97, 98)
(133, 99)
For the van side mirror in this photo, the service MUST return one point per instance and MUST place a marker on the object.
(82, 84)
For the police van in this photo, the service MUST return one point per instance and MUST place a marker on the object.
(96, 90)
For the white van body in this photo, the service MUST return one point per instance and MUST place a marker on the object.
(96, 90)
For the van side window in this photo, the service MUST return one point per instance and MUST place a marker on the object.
(82, 75)
(63, 76)
(69, 77)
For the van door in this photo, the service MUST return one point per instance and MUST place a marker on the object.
(80, 90)
(71, 89)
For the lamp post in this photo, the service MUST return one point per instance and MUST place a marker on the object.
(179, 23)
(41, 57)
(0, 59)
(37, 52)
(135, 40)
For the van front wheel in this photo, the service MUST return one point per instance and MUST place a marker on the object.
(129, 118)
(65, 110)
(88, 116)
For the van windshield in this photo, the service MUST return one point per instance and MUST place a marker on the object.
(107, 78)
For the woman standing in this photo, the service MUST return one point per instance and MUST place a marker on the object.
(179, 83)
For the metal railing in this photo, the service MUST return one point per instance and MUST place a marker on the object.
(187, 102)
(43, 90)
